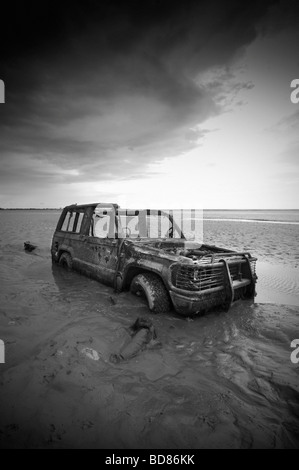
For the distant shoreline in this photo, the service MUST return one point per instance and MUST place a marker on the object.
(31, 208)
(205, 210)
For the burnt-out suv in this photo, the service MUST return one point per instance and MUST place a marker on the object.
(148, 253)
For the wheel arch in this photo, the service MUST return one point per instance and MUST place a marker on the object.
(61, 251)
(134, 270)
(57, 255)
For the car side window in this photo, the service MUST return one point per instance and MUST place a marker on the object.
(78, 222)
(68, 221)
(72, 222)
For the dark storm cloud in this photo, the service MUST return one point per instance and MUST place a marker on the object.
(281, 15)
(104, 88)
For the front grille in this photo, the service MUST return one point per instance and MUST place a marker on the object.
(197, 278)
(235, 272)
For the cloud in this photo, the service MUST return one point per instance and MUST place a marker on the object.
(290, 157)
(104, 89)
(288, 123)
(286, 129)
(225, 86)
(281, 15)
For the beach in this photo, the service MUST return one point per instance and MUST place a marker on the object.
(222, 380)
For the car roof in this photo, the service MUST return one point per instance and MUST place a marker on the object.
(93, 204)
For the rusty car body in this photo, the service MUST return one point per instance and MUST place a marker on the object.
(113, 246)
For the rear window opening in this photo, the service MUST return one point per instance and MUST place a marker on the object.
(72, 222)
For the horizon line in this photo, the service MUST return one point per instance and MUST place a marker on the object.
(231, 209)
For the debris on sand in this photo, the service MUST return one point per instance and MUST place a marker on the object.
(90, 353)
(112, 300)
(29, 246)
(142, 332)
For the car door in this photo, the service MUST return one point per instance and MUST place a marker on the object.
(99, 248)
(67, 236)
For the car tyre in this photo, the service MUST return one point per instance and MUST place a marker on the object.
(152, 288)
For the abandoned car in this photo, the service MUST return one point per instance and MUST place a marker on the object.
(148, 253)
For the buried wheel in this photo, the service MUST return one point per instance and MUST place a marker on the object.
(65, 261)
(152, 288)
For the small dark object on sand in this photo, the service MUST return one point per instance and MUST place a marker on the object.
(29, 247)
(112, 300)
(142, 332)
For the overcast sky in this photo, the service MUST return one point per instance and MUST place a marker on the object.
(150, 104)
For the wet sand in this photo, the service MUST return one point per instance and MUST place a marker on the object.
(224, 380)
(273, 243)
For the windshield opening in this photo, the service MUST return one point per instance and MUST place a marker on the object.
(182, 224)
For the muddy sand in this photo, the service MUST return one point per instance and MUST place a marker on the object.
(224, 380)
